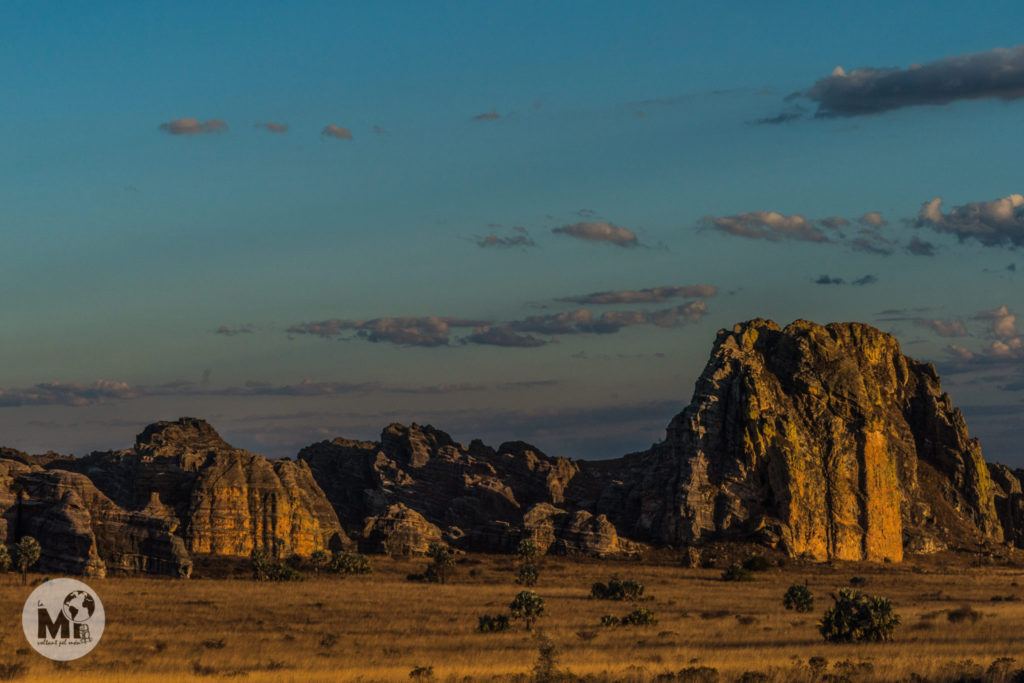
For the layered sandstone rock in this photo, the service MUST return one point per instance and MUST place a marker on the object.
(825, 440)
(181, 490)
(477, 497)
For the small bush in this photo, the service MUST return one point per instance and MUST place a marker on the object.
(617, 589)
(422, 673)
(698, 674)
(639, 617)
(350, 563)
(528, 575)
(609, 620)
(528, 551)
(495, 624)
(416, 578)
(736, 572)
(282, 572)
(442, 565)
(963, 613)
(799, 598)
(527, 606)
(857, 617)
(858, 581)
(756, 563)
(5, 559)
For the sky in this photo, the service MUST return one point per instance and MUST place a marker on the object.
(510, 220)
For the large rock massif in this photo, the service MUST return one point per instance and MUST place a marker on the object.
(824, 442)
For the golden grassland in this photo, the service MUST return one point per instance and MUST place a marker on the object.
(381, 626)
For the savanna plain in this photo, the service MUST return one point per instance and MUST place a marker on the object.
(961, 618)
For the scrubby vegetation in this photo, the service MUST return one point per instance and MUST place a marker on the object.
(798, 598)
(350, 563)
(617, 589)
(440, 568)
(737, 572)
(527, 606)
(857, 617)
(493, 624)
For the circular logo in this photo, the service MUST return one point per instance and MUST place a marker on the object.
(63, 619)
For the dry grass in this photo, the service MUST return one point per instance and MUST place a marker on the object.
(380, 627)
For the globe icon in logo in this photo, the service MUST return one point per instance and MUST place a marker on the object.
(78, 606)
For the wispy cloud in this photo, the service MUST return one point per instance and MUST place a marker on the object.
(502, 335)
(190, 126)
(920, 247)
(335, 131)
(520, 239)
(491, 115)
(651, 294)
(873, 219)
(233, 331)
(943, 328)
(426, 331)
(599, 231)
(272, 127)
(69, 394)
(859, 282)
(993, 223)
(766, 225)
(997, 73)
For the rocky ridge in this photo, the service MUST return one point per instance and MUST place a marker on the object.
(824, 442)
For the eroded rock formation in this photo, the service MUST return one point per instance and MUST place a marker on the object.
(181, 490)
(825, 442)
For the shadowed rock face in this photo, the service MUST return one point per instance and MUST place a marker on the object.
(418, 485)
(823, 441)
(826, 441)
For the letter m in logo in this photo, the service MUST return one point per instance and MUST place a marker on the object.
(48, 626)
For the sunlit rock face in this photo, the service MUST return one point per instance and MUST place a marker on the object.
(825, 441)
(181, 490)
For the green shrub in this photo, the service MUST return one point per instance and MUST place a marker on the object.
(26, 554)
(527, 551)
(528, 575)
(617, 589)
(799, 598)
(350, 563)
(736, 572)
(527, 606)
(276, 571)
(489, 624)
(442, 565)
(319, 559)
(639, 617)
(857, 617)
(609, 620)
(756, 563)
(5, 559)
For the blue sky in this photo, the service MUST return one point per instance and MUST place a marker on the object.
(451, 172)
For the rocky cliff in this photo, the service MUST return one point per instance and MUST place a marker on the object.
(824, 442)
(181, 490)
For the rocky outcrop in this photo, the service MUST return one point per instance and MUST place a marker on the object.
(823, 440)
(181, 490)
(478, 498)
